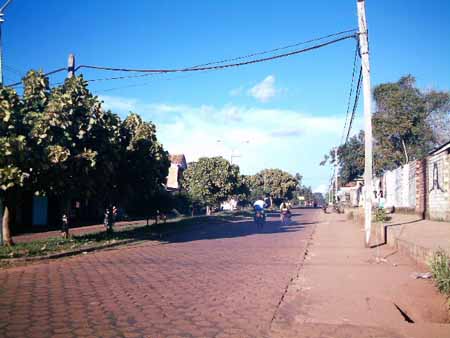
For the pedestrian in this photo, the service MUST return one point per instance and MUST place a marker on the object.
(64, 226)
(114, 214)
(108, 220)
(381, 200)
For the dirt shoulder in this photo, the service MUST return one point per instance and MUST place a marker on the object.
(351, 291)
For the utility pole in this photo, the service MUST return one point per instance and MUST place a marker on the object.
(233, 156)
(367, 93)
(2, 9)
(71, 66)
(336, 187)
(233, 149)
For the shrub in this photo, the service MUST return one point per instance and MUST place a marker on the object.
(440, 268)
(380, 215)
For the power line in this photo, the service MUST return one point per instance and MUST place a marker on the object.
(351, 92)
(207, 66)
(278, 56)
(46, 74)
(277, 49)
(355, 104)
(148, 82)
(235, 58)
(13, 70)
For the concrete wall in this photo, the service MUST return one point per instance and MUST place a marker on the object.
(438, 187)
(399, 187)
(421, 186)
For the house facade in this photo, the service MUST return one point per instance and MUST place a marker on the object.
(177, 165)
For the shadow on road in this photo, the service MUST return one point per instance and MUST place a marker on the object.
(233, 229)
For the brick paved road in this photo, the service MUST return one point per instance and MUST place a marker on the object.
(219, 281)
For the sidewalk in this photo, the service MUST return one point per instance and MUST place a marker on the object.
(343, 290)
(416, 237)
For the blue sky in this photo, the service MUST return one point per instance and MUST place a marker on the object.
(291, 111)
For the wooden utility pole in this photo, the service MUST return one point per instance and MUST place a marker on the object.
(71, 66)
(367, 93)
(336, 168)
(2, 9)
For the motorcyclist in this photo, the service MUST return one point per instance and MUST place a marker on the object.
(260, 206)
(285, 210)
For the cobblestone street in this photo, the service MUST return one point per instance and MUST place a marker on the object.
(217, 281)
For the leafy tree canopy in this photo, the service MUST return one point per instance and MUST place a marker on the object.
(211, 181)
(276, 183)
(407, 124)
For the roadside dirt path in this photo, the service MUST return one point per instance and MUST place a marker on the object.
(343, 290)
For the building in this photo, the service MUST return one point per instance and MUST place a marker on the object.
(436, 199)
(177, 165)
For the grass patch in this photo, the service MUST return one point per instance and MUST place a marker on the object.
(440, 268)
(136, 232)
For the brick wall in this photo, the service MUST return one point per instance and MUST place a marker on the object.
(421, 187)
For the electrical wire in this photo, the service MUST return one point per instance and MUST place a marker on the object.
(46, 74)
(277, 49)
(274, 57)
(208, 66)
(355, 104)
(148, 82)
(347, 114)
(235, 58)
(13, 70)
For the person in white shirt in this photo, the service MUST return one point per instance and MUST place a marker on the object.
(259, 205)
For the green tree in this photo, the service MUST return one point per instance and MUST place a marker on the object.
(22, 161)
(402, 128)
(276, 183)
(143, 167)
(60, 142)
(408, 123)
(211, 181)
(69, 133)
(14, 148)
(351, 158)
(438, 104)
(242, 193)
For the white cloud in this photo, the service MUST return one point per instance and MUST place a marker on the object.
(287, 139)
(322, 188)
(116, 103)
(265, 90)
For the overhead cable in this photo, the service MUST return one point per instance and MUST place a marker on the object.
(232, 59)
(274, 57)
(347, 114)
(355, 104)
(46, 74)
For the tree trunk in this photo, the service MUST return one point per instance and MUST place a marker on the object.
(404, 150)
(6, 225)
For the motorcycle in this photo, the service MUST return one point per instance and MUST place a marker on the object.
(259, 218)
(285, 216)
